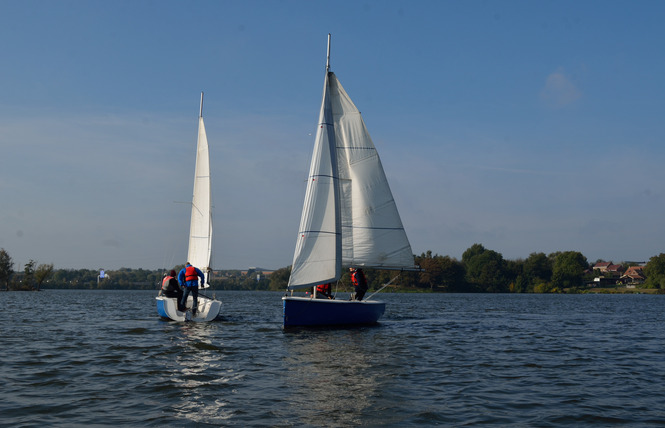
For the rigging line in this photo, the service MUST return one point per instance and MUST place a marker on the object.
(384, 286)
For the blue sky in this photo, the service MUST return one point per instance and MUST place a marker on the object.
(524, 126)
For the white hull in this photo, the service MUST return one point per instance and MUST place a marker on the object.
(208, 309)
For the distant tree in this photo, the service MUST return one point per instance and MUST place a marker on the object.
(486, 269)
(519, 285)
(279, 279)
(6, 268)
(537, 270)
(28, 274)
(378, 278)
(474, 250)
(441, 272)
(42, 273)
(655, 272)
(568, 270)
(515, 274)
(454, 275)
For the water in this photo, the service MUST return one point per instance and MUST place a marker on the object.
(104, 358)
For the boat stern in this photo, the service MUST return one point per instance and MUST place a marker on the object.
(304, 311)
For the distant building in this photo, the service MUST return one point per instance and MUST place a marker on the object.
(601, 266)
(608, 268)
(633, 275)
(601, 281)
(616, 269)
(254, 270)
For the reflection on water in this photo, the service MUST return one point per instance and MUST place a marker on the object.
(103, 357)
(199, 374)
(336, 375)
(330, 375)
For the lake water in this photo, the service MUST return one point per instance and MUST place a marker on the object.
(104, 358)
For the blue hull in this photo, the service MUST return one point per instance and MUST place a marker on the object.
(161, 310)
(304, 311)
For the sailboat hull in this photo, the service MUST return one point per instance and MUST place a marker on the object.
(208, 309)
(305, 311)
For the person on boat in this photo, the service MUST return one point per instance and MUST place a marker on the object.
(189, 278)
(323, 290)
(359, 283)
(171, 288)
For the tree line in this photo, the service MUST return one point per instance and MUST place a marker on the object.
(480, 270)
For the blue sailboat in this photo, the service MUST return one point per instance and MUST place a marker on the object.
(349, 217)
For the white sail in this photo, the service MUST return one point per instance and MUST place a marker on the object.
(200, 230)
(317, 258)
(349, 216)
(372, 231)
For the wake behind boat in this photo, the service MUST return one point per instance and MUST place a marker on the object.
(349, 216)
(200, 240)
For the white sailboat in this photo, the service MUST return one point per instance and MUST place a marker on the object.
(200, 238)
(349, 216)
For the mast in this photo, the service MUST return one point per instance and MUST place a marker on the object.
(328, 57)
(201, 108)
(318, 253)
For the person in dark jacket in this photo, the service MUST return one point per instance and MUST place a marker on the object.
(359, 283)
(189, 278)
(170, 288)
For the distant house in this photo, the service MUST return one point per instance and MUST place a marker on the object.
(633, 275)
(616, 269)
(608, 268)
(255, 270)
(602, 266)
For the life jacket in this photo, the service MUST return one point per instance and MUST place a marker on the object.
(190, 274)
(165, 283)
(358, 279)
(323, 288)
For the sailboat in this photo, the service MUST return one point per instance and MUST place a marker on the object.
(349, 217)
(200, 239)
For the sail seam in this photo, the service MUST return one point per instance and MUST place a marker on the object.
(355, 148)
(373, 228)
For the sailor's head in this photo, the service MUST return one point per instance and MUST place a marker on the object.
(188, 264)
(172, 273)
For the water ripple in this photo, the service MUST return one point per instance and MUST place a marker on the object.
(452, 360)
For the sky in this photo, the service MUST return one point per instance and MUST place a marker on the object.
(523, 126)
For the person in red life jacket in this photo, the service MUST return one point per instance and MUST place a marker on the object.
(359, 283)
(189, 278)
(170, 288)
(324, 291)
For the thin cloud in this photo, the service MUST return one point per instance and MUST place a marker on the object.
(559, 91)
(521, 171)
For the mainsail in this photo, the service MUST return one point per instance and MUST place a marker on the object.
(349, 216)
(200, 230)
